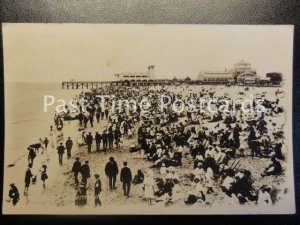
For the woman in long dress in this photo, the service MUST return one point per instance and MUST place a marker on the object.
(149, 187)
(52, 136)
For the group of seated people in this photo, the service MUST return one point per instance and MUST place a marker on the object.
(166, 138)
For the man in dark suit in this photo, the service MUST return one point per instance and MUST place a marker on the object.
(89, 141)
(60, 152)
(98, 113)
(76, 169)
(91, 119)
(97, 190)
(106, 113)
(69, 145)
(98, 141)
(104, 139)
(126, 179)
(111, 170)
(28, 176)
(117, 136)
(85, 171)
(110, 136)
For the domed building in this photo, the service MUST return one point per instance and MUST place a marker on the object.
(242, 73)
(242, 67)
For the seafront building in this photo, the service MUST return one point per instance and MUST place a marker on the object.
(149, 75)
(145, 78)
(214, 77)
(241, 73)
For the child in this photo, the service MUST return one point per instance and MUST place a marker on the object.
(44, 175)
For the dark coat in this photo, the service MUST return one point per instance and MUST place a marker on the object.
(46, 142)
(110, 136)
(28, 176)
(69, 144)
(60, 149)
(76, 167)
(104, 137)
(14, 193)
(98, 138)
(111, 168)
(117, 134)
(32, 153)
(126, 175)
(89, 139)
(98, 187)
(85, 170)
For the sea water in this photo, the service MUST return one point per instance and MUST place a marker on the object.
(25, 118)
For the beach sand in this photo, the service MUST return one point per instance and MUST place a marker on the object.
(60, 192)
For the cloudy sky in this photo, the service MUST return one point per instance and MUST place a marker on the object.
(56, 52)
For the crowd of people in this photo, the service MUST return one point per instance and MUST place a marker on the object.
(194, 155)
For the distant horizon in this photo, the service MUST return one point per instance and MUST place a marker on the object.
(55, 82)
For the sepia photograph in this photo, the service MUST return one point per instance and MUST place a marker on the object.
(148, 119)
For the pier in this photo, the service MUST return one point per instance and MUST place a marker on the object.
(97, 84)
(85, 84)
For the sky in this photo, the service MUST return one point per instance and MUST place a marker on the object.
(95, 52)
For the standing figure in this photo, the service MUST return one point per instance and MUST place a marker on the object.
(97, 190)
(236, 136)
(28, 176)
(117, 136)
(106, 113)
(98, 141)
(14, 194)
(98, 113)
(85, 172)
(59, 126)
(110, 139)
(89, 141)
(31, 155)
(149, 187)
(76, 169)
(126, 179)
(105, 139)
(60, 152)
(111, 171)
(52, 134)
(46, 142)
(80, 118)
(69, 145)
(44, 175)
(91, 119)
(85, 121)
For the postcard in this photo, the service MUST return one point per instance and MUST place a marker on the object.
(110, 119)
